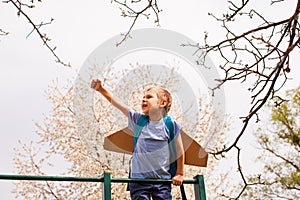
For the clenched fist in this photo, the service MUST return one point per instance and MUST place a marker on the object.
(96, 84)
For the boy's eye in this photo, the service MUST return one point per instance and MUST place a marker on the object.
(149, 97)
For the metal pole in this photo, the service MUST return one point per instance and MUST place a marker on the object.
(199, 188)
(106, 190)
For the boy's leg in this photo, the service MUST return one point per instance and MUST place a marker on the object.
(161, 192)
(139, 191)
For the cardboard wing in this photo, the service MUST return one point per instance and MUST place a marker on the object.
(122, 142)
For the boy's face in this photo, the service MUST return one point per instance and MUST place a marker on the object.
(151, 101)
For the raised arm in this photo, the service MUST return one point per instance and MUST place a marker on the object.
(115, 101)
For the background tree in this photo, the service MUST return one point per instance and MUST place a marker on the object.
(62, 141)
(280, 143)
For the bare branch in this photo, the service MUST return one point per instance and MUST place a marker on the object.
(236, 9)
(266, 77)
(128, 11)
(36, 28)
(3, 33)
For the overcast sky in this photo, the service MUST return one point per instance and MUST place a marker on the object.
(27, 68)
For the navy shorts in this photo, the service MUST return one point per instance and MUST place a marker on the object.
(141, 191)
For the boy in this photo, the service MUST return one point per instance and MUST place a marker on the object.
(151, 154)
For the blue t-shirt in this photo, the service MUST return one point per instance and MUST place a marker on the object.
(151, 155)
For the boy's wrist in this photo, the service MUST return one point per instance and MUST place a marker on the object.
(100, 89)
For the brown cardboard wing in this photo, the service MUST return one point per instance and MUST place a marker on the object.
(122, 142)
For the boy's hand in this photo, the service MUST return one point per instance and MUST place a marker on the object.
(96, 84)
(177, 179)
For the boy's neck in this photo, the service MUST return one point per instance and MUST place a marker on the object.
(155, 118)
(155, 115)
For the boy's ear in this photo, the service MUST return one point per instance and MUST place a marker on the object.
(163, 103)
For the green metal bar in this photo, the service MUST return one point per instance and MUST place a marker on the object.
(199, 188)
(133, 180)
(86, 179)
(49, 178)
(106, 190)
(198, 182)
